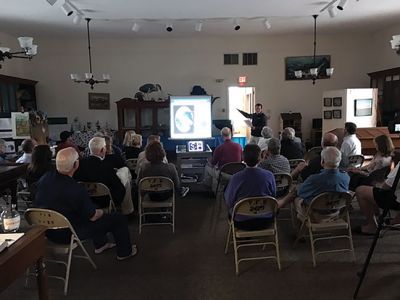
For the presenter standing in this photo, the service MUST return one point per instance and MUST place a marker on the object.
(258, 121)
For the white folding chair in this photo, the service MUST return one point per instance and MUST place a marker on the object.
(147, 207)
(54, 220)
(251, 207)
(97, 189)
(283, 183)
(327, 213)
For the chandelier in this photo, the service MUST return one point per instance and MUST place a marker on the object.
(314, 71)
(89, 78)
(28, 49)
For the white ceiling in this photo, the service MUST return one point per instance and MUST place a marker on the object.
(116, 17)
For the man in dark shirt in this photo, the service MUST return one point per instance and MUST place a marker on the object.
(291, 147)
(258, 121)
(58, 191)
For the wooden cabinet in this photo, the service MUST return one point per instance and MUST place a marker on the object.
(291, 120)
(145, 117)
(388, 84)
(16, 94)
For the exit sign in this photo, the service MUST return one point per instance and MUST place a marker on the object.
(242, 80)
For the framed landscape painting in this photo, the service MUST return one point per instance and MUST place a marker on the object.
(99, 101)
(304, 63)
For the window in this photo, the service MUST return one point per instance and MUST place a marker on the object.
(249, 59)
(231, 59)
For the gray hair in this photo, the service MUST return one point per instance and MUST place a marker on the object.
(288, 133)
(274, 146)
(266, 132)
(96, 144)
(226, 132)
(66, 159)
(331, 157)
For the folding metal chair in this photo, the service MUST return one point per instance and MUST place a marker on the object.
(54, 220)
(226, 173)
(97, 189)
(283, 183)
(156, 184)
(294, 163)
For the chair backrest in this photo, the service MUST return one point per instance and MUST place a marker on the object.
(283, 182)
(253, 206)
(47, 217)
(355, 161)
(155, 184)
(232, 168)
(131, 163)
(96, 189)
(313, 152)
(329, 205)
(294, 163)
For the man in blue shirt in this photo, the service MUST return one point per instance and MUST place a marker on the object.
(250, 182)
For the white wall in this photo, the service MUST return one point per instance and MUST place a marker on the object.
(178, 64)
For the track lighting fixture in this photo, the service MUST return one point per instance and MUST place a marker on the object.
(237, 26)
(198, 27)
(341, 4)
(169, 27)
(77, 19)
(267, 24)
(135, 27)
(332, 12)
(67, 9)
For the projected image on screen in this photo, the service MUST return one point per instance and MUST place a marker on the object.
(184, 119)
(190, 117)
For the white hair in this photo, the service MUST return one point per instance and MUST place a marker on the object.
(288, 133)
(266, 132)
(96, 144)
(331, 156)
(226, 132)
(65, 160)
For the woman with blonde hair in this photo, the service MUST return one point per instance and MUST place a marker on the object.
(135, 148)
(128, 138)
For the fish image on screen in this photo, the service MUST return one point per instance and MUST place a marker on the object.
(184, 119)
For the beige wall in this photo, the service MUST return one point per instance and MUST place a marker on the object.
(178, 64)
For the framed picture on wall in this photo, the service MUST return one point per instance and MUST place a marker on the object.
(99, 101)
(327, 114)
(362, 107)
(337, 101)
(327, 101)
(337, 114)
(20, 125)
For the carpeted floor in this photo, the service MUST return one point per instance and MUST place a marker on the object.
(191, 264)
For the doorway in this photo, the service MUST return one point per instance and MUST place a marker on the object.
(240, 98)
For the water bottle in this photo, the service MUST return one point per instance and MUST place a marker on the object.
(10, 219)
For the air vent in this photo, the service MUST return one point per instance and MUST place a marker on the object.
(249, 59)
(231, 59)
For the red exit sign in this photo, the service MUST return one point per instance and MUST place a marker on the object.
(242, 80)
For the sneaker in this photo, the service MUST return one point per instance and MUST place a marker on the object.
(104, 248)
(184, 191)
(133, 253)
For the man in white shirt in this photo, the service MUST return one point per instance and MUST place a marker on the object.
(27, 147)
(351, 145)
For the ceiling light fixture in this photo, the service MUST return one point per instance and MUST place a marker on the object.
(199, 26)
(267, 24)
(26, 43)
(395, 43)
(89, 78)
(135, 27)
(51, 2)
(67, 9)
(169, 27)
(237, 25)
(313, 72)
(342, 4)
(77, 19)
(332, 12)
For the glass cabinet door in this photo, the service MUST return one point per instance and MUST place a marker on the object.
(130, 117)
(163, 117)
(146, 117)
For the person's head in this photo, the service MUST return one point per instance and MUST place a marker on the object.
(258, 108)
(266, 132)
(350, 128)
(109, 143)
(329, 139)
(384, 145)
(288, 133)
(128, 138)
(97, 146)
(2, 146)
(28, 145)
(64, 136)
(274, 146)
(330, 157)
(41, 158)
(67, 161)
(155, 152)
(153, 138)
(226, 133)
(251, 155)
(137, 140)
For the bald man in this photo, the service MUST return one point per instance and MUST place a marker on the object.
(57, 190)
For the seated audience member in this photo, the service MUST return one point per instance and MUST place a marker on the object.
(128, 138)
(93, 169)
(250, 182)
(27, 147)
(266, 135)
(383, 158)
(135, 148)
(40, 164)
(156, 167)
(2, 152)
(351, 145)
(275, 162)
(113, 158)
(291, 148)
(372, 198)
(57, 190)
(313, 166)
(228, 152)
(66, 141)
(142, 155)
(329, 179)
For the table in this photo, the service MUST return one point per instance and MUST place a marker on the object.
(24, 253)
(8, 178)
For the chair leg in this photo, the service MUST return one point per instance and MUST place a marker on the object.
(312, 246)
(228, 237)
(68, 266)
(299, 234)
(87, 254)
(278, 255)
(173, 217)
(236, 251)
(27, 272)
(140, 216)
(351, 238)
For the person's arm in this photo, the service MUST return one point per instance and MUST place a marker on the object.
(97, 215)
(230, 195)
(175, 178)
(245, 114)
